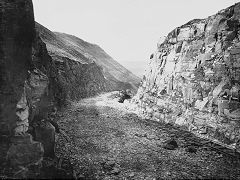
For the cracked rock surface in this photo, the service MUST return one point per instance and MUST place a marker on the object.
(192, 78)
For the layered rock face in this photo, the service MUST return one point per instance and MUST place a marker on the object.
(68, 48)
(193, 78)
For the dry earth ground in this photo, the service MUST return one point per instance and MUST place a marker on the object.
(105, 141)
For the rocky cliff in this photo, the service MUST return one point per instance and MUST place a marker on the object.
(193, 78)
(75, 76)
(33, 85)
(17, 32)
(65, 48)
(39, 72)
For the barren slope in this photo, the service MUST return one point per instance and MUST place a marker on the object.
(68, 46)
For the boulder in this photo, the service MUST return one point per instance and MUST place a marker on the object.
(235, 92)
(218, 89)
(170, 144)
(181, 121)
(25, 152)
(203, 130)
(222, 104)
(201, 104)
(45, 133)
(234, 115)
(191, 149)
(124, 95)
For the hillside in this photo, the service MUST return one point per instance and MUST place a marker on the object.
(61, 45)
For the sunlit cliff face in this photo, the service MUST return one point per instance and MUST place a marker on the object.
(189, 73)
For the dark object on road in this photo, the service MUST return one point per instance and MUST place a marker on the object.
(124, 95)
(115, 171)
(170, 144)
(164, 91)
(108, 166)
(151, 56)
(55, 125)
(191, 149)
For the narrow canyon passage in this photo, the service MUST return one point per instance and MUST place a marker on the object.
(105, 141)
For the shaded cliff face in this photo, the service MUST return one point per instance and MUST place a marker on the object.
(16, 37)
(32, 83)
(193, 77)
(68, 78)
(17, 32)
(63, 46)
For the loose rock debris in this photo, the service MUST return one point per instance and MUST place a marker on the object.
(117, 144)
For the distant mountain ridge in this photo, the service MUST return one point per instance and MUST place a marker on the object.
(69, 46)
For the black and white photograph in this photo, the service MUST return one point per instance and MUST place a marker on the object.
(119, 89)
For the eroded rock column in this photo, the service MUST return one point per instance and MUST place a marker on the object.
(17, 32)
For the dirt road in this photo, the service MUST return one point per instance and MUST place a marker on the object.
(105, 141)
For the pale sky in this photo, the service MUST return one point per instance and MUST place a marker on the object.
(128, 30)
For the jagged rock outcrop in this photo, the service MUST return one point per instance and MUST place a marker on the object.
(68, 48)
(17, 33)
(68, 78)
(193, 78)
(36, 79)
(32, 84)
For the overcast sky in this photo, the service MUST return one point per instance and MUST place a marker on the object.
(128, 30)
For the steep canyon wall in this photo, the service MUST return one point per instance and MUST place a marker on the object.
(33, 83)
(193, 78)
